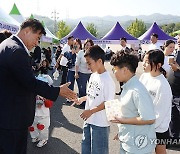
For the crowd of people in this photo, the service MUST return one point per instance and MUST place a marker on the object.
(150, 105)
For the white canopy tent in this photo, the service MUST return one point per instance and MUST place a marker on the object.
(49, 36)
(8, 23)
(16, 14)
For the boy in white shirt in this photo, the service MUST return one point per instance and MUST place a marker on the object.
(100, 88)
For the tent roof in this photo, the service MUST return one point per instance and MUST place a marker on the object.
(4, 17)
(31, 17)
(7, 22)
(155, 29)
(49, 36)
(16, 14)
(117, 32)
(15, 10)
(80, 32)
(18, 18)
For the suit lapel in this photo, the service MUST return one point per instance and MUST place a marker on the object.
(18, 42)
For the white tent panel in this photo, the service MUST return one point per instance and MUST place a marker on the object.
(7, 22)
(18, 18)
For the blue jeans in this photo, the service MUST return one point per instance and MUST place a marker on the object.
(95, 139)
(82, 82)
(71, 78)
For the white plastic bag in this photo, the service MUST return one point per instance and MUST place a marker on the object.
(56, 74)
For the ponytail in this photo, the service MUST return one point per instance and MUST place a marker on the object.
(162, 70)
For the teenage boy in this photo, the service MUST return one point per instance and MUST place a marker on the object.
(100, 88)
(136, 128)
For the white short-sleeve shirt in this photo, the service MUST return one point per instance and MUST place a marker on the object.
(100, 88)
(64, 60)
(161, 94)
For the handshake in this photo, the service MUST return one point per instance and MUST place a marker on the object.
(78, 101)
(67, 93)
(71, 95)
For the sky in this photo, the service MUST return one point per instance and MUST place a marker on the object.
(80, 8)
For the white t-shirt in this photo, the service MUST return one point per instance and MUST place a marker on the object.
(64, 60)
(100, 88)
(108, 51)
(161, 94)
(157, 45)
(166, 65)
(81, 63)
(43, 111)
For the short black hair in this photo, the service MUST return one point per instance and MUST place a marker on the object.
(122, 59)
(155, 35)
(34, 24)
(7, 33)
(70, 37)
(123, 38)
(95, 52)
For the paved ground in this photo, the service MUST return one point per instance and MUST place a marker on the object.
(66, 129)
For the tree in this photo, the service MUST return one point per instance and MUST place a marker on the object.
(137, 28)
(171, 28)
(168, 28)
(63, 29)
(92, 29)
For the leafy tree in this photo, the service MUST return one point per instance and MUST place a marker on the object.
(137, 28)
(92, 29)
(63, 29)
(177, 26)
(168, 28)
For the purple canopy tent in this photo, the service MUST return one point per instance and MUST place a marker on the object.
(162, 36)
(117, 32)
(79, 32)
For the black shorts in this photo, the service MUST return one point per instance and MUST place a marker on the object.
(162, 138)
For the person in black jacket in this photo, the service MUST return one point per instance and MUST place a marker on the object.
(123, 42)
(19, 87)
(4, 35)
(37, 54)
(174, 81)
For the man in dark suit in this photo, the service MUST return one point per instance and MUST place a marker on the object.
(19, 87)
(123, 42)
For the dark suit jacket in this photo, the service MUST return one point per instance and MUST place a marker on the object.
(127, 50)
(19, 87)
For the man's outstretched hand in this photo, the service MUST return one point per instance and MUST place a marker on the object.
(66, 92)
